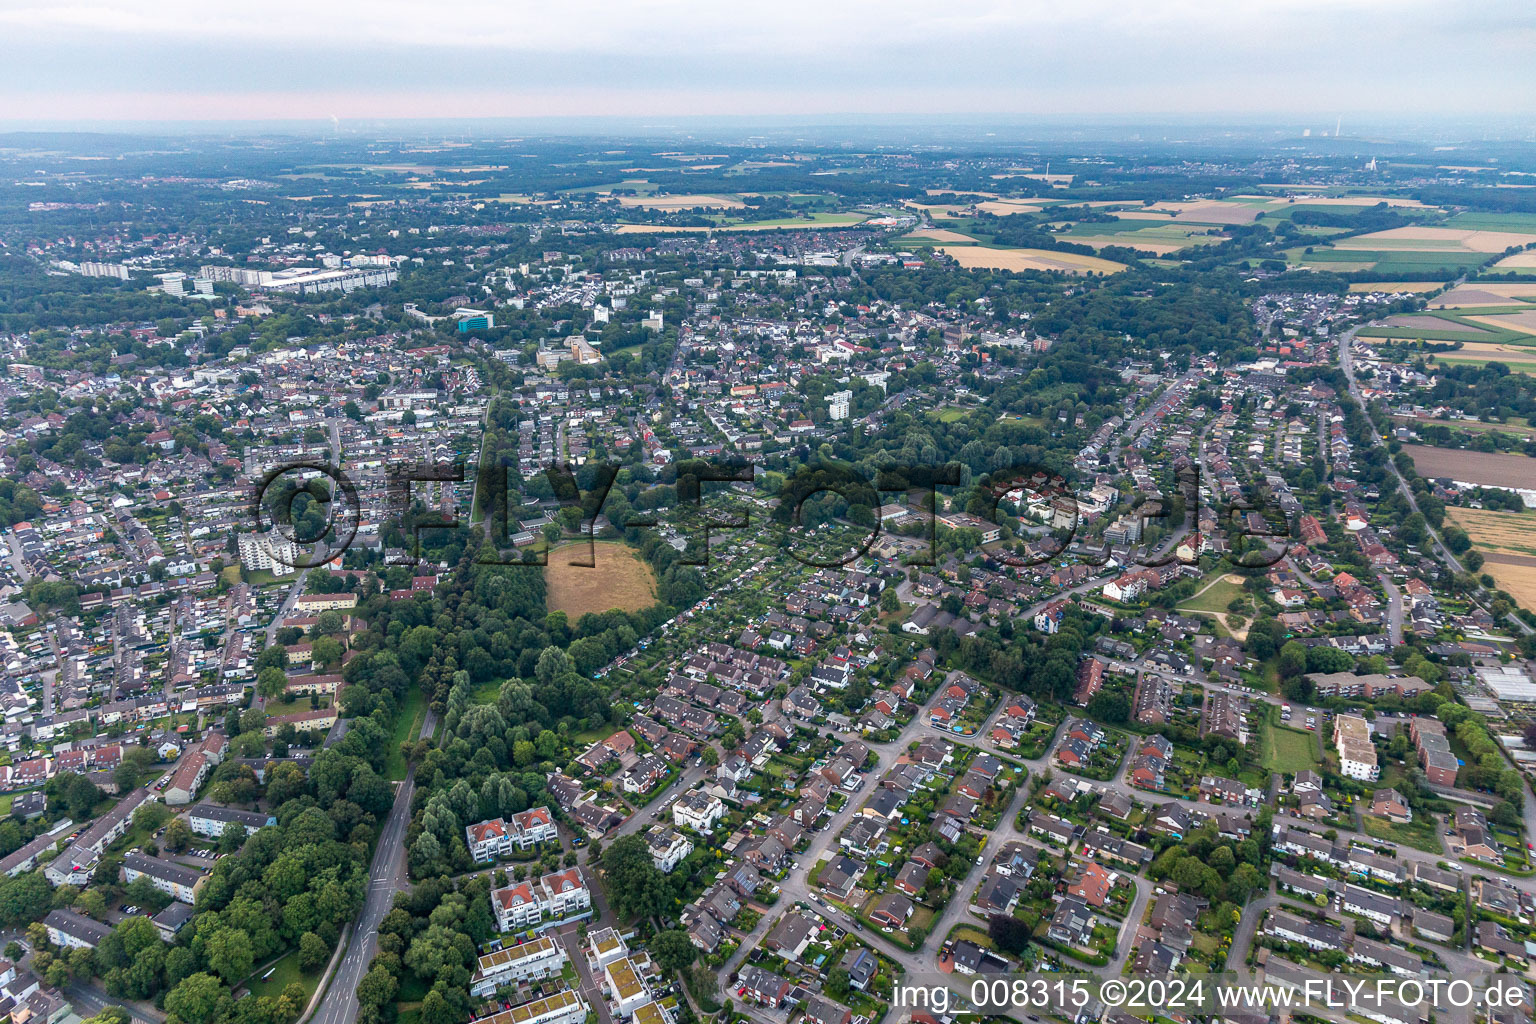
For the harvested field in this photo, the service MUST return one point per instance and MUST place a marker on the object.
(938, 235)
(1130, 241)
(1350, 201)
(1004, 207)
(1507, 541)
(1427, 239)
(1509, 533)
(1524, 322)
(682, 202)
(1485, 469)
(1202, 211)
(1485, 294)
(1514, 573)
(988, 258)
(1431, 323)
(1520, 358)
(1519, 259)
(620, 580)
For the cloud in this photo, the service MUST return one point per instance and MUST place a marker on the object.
(176, 58)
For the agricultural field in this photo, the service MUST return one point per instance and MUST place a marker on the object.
(1519, 263)
(1519, 358)
(1486, 293)
(1395, 286)
(989, 258)
(1430, 322)
(1421, 238)
(813, 222)
(1399, 263)
(1523, 321)
(937, 236)
(1514, 425)
(621, 580)
(1509, 532)
(1514, 573)
(1507, 541)
(1159, 239)
(1486, 469)
(682, 202)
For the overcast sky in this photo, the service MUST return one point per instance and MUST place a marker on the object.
(179, 59)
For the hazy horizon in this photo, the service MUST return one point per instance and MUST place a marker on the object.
(1306, 62)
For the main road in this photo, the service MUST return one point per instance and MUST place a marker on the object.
(1347, 364)
(386, 876)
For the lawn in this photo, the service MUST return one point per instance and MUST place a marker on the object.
(284, 972)
(1216, 595)
(1419, 834)
(1289, 750)
(407, 727)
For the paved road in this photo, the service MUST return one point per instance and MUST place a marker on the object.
(386, 876)
(1346, 363)
(89, 1001)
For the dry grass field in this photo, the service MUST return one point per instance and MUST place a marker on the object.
(1486, 469)
(620, 580)
(1429, 239)
(988, 258)
(682, 202)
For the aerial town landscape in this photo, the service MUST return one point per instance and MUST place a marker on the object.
(733, 574)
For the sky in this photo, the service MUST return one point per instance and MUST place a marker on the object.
(107, 60)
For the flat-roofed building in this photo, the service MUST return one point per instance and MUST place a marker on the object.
(565, 1007)
(539, 958)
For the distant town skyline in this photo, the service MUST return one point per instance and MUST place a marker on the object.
(114, 60)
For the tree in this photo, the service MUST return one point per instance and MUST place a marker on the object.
(229, 954)
(110, 1015)
(636, 887)
(313, 952)
(199, 999)
(271, 683)
(1293, 659)
(673, 950)
(232, 838)
(178, 835)
(378, 986)
(1008, 933)
(326, 651)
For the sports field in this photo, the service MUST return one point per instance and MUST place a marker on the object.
(620, 580)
